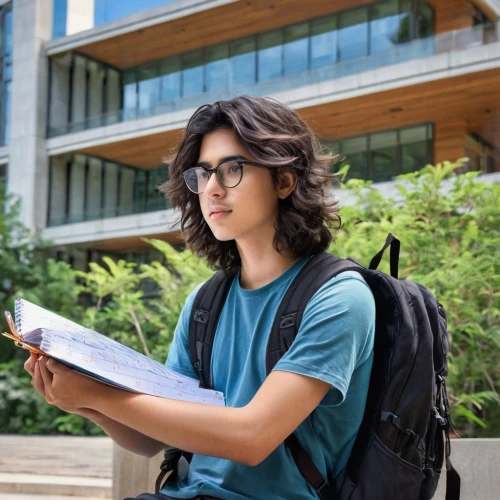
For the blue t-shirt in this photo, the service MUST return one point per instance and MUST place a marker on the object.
(334, 344)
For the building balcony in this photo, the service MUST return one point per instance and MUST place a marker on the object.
(145, 98)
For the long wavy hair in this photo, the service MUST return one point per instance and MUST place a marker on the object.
(276, 136)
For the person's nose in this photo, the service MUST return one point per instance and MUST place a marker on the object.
(214, 188)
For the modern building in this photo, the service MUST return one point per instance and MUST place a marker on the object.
(94, 93)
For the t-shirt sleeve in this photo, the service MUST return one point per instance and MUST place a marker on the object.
(335, 336)
(178, 358)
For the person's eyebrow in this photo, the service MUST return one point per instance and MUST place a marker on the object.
(207, 164)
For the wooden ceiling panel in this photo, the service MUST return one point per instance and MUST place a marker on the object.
(208, 27)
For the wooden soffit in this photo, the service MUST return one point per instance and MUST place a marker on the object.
(208, 27)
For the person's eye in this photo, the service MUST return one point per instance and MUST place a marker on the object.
(235, 169)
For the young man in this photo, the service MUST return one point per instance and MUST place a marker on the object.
(252, 187)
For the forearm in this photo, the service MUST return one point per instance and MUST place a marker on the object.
(197, 428)
(124, 436)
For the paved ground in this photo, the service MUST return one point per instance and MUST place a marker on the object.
(55, 467)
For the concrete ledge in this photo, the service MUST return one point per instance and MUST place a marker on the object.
(55, 485)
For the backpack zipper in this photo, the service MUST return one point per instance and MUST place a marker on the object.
(412, 359)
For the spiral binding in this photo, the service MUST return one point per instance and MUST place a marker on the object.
(19, 315)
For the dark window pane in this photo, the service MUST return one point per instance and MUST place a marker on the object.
(383, 151)
(170, 79)
(296, 48)
(355, 151)
(354, 34)
(406, 29)
(414, 156)
(141, 191)
(8, 34)
(270, 55)
(385, 26)
(324, 39)
(413, 134)
(192, 74)
(243, 58)
(217, 67)
(425, 20)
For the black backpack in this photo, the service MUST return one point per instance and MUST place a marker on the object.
(403, 439)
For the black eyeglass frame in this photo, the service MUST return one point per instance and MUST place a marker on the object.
(210, 171)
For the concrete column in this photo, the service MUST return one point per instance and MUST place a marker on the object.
(28, 161)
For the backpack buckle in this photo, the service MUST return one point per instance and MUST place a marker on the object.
(287, 321)
(201, 316)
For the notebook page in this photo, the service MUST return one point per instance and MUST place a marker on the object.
(65, 340)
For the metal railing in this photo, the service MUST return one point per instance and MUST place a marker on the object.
(417, 49)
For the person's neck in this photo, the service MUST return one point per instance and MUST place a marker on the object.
(262, 264)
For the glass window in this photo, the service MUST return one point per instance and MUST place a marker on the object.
(94, 189)
(96, 76)
(385, 26)
(413, 134)
(406, 31)
(170, 71)
(59, 18)
(141, 194)
(414, 156)
(112, 96)
(217, 67)
(192, 73)
(126, 188)
(77, 189)
(78, 91)
(384, 157)
(149, 89)
(110, 189)
(324, 40)
(8, 34)
(425, 20)
(129, 95)
(57, 190)
(270, 56)
(296, 49)
(353, 41)
(243, 61)
(6, 111)
(355, 151)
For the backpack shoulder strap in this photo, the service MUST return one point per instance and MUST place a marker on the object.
(320, 269)
(205, 313)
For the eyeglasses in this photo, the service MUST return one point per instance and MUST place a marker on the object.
(229, 174)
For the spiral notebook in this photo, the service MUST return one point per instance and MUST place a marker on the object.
(92, 354)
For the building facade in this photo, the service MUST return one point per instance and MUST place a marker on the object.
(94, 93)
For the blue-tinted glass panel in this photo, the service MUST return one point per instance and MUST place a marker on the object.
(170, 71)
(149, 89)
(8, 35)
(383, 150)
(192, 74)
(296, 49)
(59, 18)
(106, 11)
(324, 40)
(130, 95)
(353, 34)
(385, 28)
(6, 111)
(270, 56)
(217, 68)
(243, 61)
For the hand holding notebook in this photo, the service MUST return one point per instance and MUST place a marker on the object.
(92, 354)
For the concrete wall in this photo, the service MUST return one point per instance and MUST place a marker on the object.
(476, 460)
(28, 160)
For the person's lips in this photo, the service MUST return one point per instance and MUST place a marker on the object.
(219, 212)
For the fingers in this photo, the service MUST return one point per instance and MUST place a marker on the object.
(46, 374)
(37, 381)
(29, 365)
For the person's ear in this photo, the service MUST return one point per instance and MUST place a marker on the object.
(287, 180)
